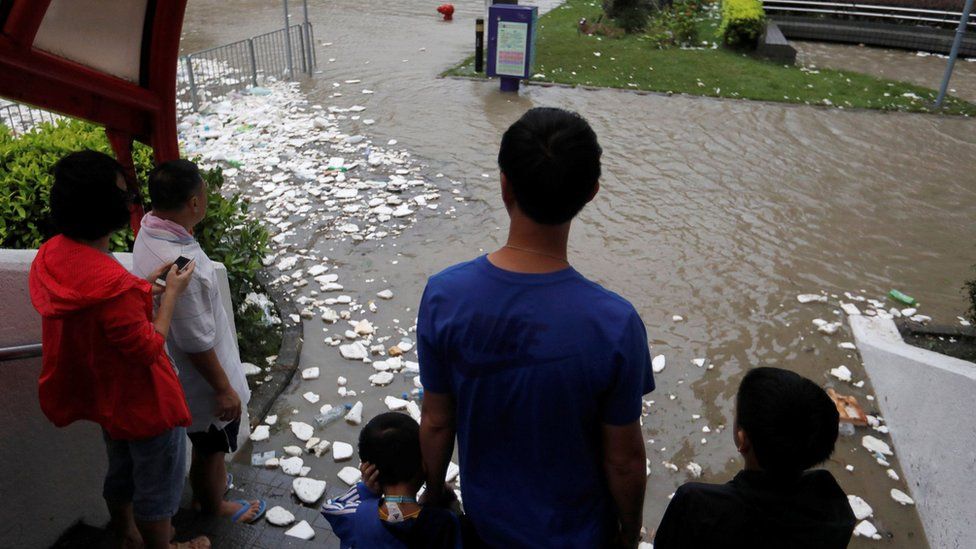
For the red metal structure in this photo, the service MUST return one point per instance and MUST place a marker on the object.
(79, 58)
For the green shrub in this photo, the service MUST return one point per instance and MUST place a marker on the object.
(228, 234)
(675, 26)
(743, 22)
(629, 15)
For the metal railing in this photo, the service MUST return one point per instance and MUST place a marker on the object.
(20, 352)
(22, 118)
(214, 72)
(204, 75)
(868, 11)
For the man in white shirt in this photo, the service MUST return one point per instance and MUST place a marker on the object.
(201, 341)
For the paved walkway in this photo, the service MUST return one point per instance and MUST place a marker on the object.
(273, 486)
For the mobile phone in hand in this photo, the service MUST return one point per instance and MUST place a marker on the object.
(181, 263)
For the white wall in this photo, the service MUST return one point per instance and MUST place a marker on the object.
(927, 401)
(51, 478)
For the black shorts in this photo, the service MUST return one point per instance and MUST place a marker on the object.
(215, 440)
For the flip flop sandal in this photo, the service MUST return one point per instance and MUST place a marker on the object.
(245, 507)
(193, 543)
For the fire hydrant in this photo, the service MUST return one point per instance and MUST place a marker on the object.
(447, 10)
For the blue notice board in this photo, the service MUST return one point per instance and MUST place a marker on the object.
(511, 40)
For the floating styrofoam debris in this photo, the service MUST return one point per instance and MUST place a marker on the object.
(860, 507)
(250, 369)
(901, 497)
(829, 328)
(293, 451)
(909, 311)
(279, 516)
(292, 466)
(381, 378)
(841, 372)
(385, 294)
(850, 308)
(308, 490)
(847, 345)
(876, 446)
(677, 318)
(341, 451)
(341, 381)
(700, 362)
(271, 420)
(350, 475)
(414, 411)
(311, 397)
(810, 298)
(353, 351)
(395, 404)
(261, 432)
(892, 474)
(310, 373)
(302, 430)
(658, 363)
(867, 530)
(452, 472)
(694, 469)
(321, 448)
(355, 415)
(302, 530)
(363, 328)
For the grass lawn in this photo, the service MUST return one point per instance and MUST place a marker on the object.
(631, 62)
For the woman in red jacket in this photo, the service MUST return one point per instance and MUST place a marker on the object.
(104, 356)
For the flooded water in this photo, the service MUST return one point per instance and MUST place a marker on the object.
(720, 211)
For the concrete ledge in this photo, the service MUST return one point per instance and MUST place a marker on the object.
(774, 46)
(926, 399)
(292, 337)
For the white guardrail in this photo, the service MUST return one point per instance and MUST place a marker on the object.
(873, 11)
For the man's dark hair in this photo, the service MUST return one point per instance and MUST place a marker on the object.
(391, 442)
(86, 202)
(172, 183)
(790, 420)
(551, 159)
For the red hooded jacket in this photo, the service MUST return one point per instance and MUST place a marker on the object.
(103, 359)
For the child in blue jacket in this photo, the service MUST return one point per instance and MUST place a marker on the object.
(392, 518)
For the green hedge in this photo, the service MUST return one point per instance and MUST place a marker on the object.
(228, 234)
(743, 22)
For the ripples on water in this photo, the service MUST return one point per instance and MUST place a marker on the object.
(718, 210)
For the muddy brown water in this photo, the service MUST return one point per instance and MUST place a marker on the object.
(717, 210)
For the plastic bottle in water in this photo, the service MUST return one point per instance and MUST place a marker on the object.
(330, 417)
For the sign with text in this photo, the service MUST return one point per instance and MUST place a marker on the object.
(511, 40)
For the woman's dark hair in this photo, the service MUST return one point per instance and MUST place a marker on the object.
(172, 183)
(391, 442)
(551, 159)
(791, 422)
(86, 203)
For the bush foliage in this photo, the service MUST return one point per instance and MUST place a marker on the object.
(675, 26)
(228, 234)
(743, 22)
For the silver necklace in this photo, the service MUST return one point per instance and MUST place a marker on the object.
(560, 258)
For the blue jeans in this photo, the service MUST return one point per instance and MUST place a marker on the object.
(149, 472)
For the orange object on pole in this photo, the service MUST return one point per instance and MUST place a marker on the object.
(447, 10)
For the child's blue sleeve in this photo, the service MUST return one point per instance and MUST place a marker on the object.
(341, 511)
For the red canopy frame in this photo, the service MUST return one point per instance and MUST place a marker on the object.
(143, 111)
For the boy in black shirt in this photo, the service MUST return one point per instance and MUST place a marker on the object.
(383, 512)
(784, 425)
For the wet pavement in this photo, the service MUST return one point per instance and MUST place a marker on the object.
(720, 211)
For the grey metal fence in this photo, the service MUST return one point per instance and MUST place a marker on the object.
(22, 118)
(204, 75)
(211, 73)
